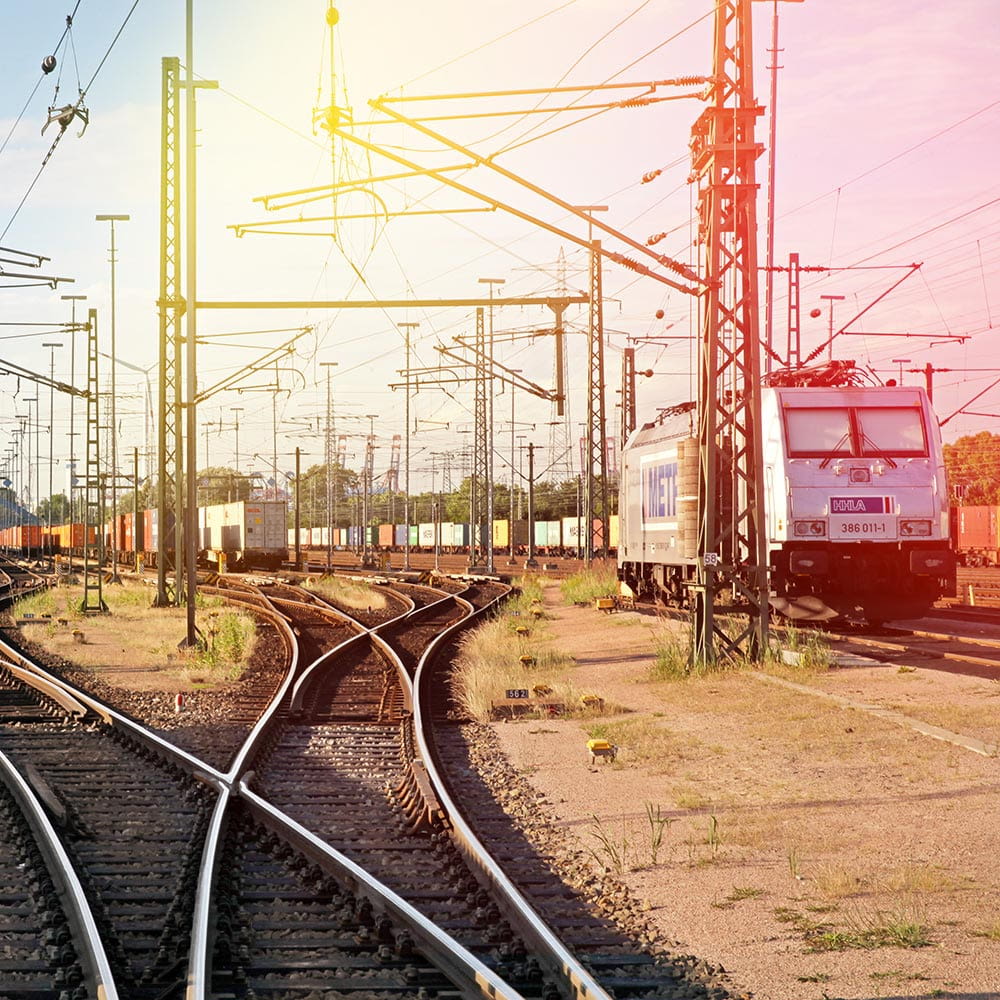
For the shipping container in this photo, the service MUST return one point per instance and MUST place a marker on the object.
(571, 527)
(130, 534)
(596, 537)
(153, 531)
(555, 534)
(976, 535)
(541, 539)
(254, 533)
(414, 535)
(501, 536)
(425, 535)
(520, 530)
(28, 536)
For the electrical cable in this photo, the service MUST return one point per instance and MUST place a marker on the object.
(34, 90)
(893, 158)
(485, 45)
(76, 107)
(523, 141)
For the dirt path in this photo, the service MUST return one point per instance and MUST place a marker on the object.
(814, 850)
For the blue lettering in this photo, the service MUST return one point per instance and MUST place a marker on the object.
(659, 490)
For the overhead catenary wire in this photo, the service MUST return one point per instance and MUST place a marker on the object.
(76, 107)
(34, 90)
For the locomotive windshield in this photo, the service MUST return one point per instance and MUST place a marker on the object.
(855, 432)
(891, 431)
(820, 431)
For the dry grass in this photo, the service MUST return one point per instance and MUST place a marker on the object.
(349, 593)
(871, 839)
(586, 586)
(643, 740)
(137, 645)
(979, 721)
(489, 664)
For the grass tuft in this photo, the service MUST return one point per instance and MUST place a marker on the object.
(230, 638)
(803, 650)
(868, 930)
(489, 664)
(586, 586)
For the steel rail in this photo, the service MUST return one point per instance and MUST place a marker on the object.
(202, 937)
(69, 704)
(44, 681)
(86, 937)
(476, 979)
(368, 633)
(521, 913)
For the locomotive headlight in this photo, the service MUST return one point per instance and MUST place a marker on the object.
(809, 529)
(918, 527)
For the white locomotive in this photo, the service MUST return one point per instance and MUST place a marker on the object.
(856, 503)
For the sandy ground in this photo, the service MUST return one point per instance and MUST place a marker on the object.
(769, 830)
(804, 845)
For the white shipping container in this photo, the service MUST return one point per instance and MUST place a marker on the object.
(572, 527)
(242, 525)
(425, 535)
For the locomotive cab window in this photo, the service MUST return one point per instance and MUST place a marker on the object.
(818, 432)
(891, 431)
(831, 432)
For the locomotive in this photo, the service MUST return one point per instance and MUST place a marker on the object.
(855, 500)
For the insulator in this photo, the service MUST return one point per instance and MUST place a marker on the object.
(650, 175)
(633, 102)
(653, 240)
(632, 265)
(48, 64)
(689, 81)
(676, 266)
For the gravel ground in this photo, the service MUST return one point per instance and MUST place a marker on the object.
(814, 852)
(796, 837)
(201, 726)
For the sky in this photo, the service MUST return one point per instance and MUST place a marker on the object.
(886, 145)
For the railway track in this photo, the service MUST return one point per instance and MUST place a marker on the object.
(314, 847)
(949, 652)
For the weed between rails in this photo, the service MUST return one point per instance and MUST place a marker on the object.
(350, 593)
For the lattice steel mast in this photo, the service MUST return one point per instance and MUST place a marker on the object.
(596, 469)
(479, 484)
(171, 306)
(732, 553)
(93, 520)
